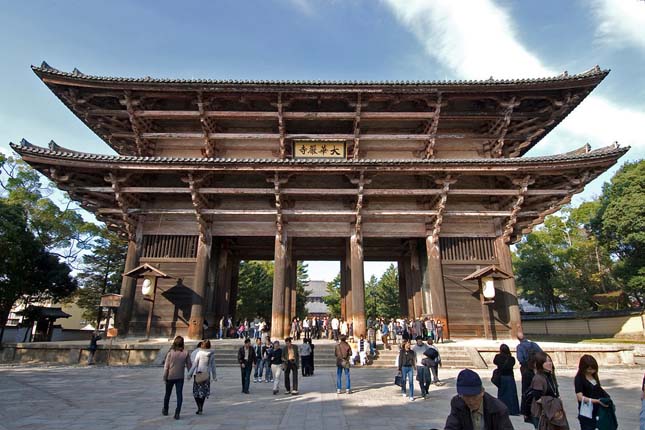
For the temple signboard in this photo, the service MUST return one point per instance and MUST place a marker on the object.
(319, 149)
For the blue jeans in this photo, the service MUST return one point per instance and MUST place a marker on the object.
(339, 377)
(407, 372)
(179, 390)
(259, 366)
(268, 374)
(220, 333)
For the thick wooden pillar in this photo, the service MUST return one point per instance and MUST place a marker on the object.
(234, 287)
(279, 286)
(200, 279)
(415, 272)
(434, 276)
(409, 289)
(348, 283)
(292, 274)
(222, 287)
(403, 297)
(129, 285)
(343, 288)
(358, 285)
(505, 263)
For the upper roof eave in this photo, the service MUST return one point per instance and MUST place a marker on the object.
(609, 153)
(592, 76)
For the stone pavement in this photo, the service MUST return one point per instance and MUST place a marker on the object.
(75, 397)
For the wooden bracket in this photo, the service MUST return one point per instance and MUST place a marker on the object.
(432, 129)
(138, 125)
(517, 206)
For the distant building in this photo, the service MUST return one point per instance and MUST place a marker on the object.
(315, 304)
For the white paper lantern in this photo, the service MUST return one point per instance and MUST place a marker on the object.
(146, 287)
(488, 288)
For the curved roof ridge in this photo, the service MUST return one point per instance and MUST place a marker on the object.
(29, 148)
(595, 71)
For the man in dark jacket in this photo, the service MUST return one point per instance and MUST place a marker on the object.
(291, 357)
(246, 358)
(474, 409)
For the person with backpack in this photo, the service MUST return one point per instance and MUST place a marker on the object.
(343, 354)
(525, 351)
(434, 361)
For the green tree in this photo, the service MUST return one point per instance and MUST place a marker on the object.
(332, 299)
(101, 272)
(301, 290)
(63, 232)
(387, 294)
(620, 225)
(255, 289)
(28, 273)
(371, 300)
(562, 262)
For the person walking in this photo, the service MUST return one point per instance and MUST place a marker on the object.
(343, 354)
(335, 326)
(246, 358)
(291, 358)
(544, 384)
(423, 371)
(266, 363)
(257, 351)
(434, 361)
(385, 334)
(91, 350)
(203, 371)
(439, 330)
(407, 361)
(173, 374)
(507, 390)
(363, 347)
(305, 357)
(591, 396)
(277, 365)
(526, 350)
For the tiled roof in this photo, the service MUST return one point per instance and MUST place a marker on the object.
(594, 72)
(26, 148)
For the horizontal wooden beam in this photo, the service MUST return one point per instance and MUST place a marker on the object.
(321, 136)
(325, 191)
(308, 212)
(304, 115)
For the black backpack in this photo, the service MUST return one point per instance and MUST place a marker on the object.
(431, 353)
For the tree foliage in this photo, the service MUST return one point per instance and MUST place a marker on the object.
(62, 232)
(101, 272)
(27, 271)
(255, 290)
(332, 299)
(620, 225)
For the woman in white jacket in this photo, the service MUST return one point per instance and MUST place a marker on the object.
(203, 371)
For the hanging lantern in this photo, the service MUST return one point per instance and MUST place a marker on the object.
(147, 287)
(488, 287)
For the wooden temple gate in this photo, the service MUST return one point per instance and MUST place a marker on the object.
(212, 173)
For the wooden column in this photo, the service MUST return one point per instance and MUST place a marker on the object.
(200, 279)
(292, 273)
(279, 286)
(504, 258)
(348, 283)
(415, 271)
(358, 285)
(403, 298)
(409, 289)
(343, 288)
(129, 285)
(234, 287)
(435, 281)
(222, 287)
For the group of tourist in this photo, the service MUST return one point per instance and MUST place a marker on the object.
(257, 328)
(472, 408)
(540, 402)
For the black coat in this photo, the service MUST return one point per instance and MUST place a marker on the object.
(240, 356)
(495, 415)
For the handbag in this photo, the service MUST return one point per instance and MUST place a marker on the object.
(398, 380)
(496, 379)
(586, 409)
(201, 377)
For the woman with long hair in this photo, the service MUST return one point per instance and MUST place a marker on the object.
(176, 361)
(588, 390)
(407, 362)
(507, 390)
(544, 383)
(203, 371)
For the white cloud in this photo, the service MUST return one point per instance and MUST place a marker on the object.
(5, 151)
(476, 39)
(304, 6)
(620, 22)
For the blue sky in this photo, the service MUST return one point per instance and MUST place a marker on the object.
(332, 39)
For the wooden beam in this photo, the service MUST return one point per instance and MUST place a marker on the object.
(281, 128)
(517, 206)
(208, 127)
(325, 191)
(123, 205)
(501, 127)
(432, 130)
(357, 127)
(139, 126)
